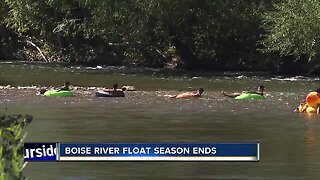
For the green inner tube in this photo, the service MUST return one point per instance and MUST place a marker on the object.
(58, 93)
(249, 96)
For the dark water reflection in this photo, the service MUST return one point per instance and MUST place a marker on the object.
(289, 142)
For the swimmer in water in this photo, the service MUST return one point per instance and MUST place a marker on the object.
(198, 93)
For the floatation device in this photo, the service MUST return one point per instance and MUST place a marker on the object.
(187, 95)
(303, 109)
(57, 93)
(311, 103)
(313, 100)
(109, 93)
(248, 96)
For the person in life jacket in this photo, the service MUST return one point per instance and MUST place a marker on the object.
(312, 102)
(304, 108)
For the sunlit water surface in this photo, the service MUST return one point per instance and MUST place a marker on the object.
(290, 142)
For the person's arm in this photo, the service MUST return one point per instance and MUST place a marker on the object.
(253, 92)
(107, 89)
(304, 108)
(261, 94)
(296, 110)
(64, 89)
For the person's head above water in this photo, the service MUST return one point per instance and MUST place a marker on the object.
(200, 90)
(115, 86)
(261, 89)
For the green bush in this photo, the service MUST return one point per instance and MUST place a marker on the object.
(12, 145)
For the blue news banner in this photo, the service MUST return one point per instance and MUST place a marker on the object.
(141, 152)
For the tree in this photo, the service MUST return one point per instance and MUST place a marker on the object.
(293, 28)
(12, 145)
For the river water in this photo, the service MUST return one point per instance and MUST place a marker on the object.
(289, 142)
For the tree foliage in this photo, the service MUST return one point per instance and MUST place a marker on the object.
(293, 28)
(219, 35)
(12, 145)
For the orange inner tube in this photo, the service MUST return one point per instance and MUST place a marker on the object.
(313, 99)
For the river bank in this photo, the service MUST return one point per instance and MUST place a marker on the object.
(189, 35)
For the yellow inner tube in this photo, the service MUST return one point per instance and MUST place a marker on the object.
(307, 110)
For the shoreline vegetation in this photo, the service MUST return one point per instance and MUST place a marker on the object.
(271, 36)
(12, 145)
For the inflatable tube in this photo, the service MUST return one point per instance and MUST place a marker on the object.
(56, 93)
(248, 96)
(109, 93)
(308, 109)
(313, 99)
(311, 110)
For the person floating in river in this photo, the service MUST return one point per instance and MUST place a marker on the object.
(42, 91)
(114, 92)
(65, 87)
(198, 93)
(115, 88)
(233, 95)
(311, 104)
